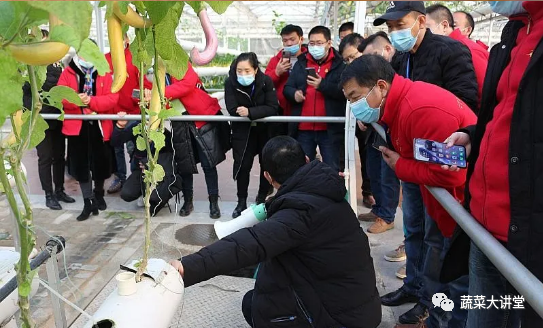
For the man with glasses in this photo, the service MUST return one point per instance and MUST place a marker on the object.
(313, 90)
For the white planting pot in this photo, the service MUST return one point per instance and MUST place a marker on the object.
(153, 303)
(247, 219)
(8, 258)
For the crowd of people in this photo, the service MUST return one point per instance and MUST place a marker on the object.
(424, 79)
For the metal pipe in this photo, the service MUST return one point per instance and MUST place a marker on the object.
(206, 118)
(509, 266)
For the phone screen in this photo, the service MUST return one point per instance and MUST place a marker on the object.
(286, 55)
(136, 93)
(437, 153)
(311, 72)
(378, 141)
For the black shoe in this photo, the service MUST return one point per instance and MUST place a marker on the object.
(214, 210)
(51, 201)
(415, 315)
(100, 201)
(188, 205)
(398, 297)
(89, 208)
(242, 206)
(61, 196)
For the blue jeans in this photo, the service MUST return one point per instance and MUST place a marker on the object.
(486, 280)
(415, 249)
(436, 248)
(309, 140)
(120, 161)
(210, 172)
(385, 185)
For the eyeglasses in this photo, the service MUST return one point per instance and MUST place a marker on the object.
(311, 43)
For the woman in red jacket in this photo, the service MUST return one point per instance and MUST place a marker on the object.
(89, 154)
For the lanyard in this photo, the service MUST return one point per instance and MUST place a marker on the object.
(408, 62)
(252, 90)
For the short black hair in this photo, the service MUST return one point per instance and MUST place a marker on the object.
(440, 13)
(348, 26)
(44, 33)
(470, 19)
(247, 56)
(319, 29)
(288, 29)
(367, 70)
(373, 39)
(282, 156)
(353, 40)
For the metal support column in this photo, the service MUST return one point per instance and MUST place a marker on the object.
(99, 26)
(54, 282)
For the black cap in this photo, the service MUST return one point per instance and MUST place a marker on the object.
(398, 9)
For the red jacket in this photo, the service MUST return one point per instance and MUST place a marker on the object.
(314, 104)
(489, 185)
(479, 57)
(127, 103)
(195, 100)
(423, 110)
(482, 44)
(104, 102)
(279, 81)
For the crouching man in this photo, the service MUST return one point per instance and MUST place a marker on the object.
(315, 264)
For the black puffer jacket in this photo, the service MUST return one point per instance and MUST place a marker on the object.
(525, 166)
(261, 100)
(315, 259)
(51, 79)
(444, 62)
(334, 100)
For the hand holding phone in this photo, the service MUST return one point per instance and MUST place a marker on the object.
(311, 72)
(136, 93)
(286, 55)
(434, 152)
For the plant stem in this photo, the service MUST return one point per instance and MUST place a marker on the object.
(36, 108)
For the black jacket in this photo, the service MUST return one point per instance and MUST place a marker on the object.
(525, 167)
(261, 100)
(334, 99)
(315, 263)
(444, 62)
(51, 79)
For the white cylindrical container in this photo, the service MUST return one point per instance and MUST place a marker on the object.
(154, 303)
(126, 283)
(248, 218)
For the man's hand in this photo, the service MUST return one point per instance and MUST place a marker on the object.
(314, 81)
(147, 95)
(361, 125)
(121, 124)
(282, 67)
(391, 157)
(178, 266)
(242, 111)
(299, 96)
(85, 99)
(459, 139)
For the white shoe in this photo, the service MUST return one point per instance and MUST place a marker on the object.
(140, 202)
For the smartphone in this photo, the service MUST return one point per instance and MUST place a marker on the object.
(437, 153)
(286, 55)
(378, 141)
(311, 72)
(136, 93)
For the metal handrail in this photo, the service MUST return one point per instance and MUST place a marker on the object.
(510, 267)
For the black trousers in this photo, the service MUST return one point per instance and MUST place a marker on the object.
(51, 154)
(255, 144)
(246, 306)
(366, 184)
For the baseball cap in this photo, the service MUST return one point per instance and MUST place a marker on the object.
(398, 9)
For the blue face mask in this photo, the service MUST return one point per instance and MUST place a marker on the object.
(85, 64)
(246, 80)
(507, 8)
(293, 49)
(317, 52)
(363, 112)
(403, 40)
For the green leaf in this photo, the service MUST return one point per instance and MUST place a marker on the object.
(158, 9)
(76, 14)
(219, 6)
(66, 35)
(38, 134)
(164, 114)
(92, 53)
(15, 15)
(140, 143)
(59, 93)
(196, 6)
(141, 47)
(137, 129)
(11, 92)
(140, 7)
(123, 6)
(158, 173)
(41, 74)
(175, 58)
(158, 139)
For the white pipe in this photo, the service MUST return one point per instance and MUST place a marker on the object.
(247, 219)
(154, 304)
